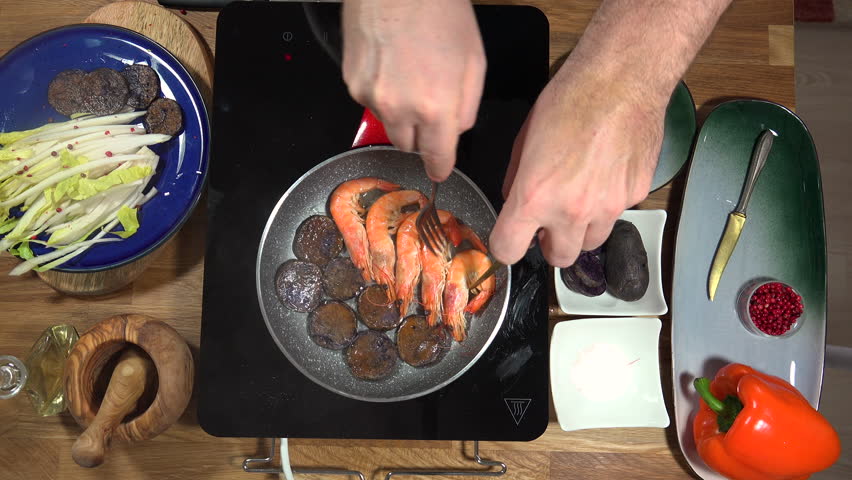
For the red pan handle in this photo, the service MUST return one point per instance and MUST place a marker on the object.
(370, 131)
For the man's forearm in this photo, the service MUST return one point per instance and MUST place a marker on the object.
(646, 43)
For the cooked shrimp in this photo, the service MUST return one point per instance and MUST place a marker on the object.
(348, 215)
(468, 234)
(407, 261)
(434, 270)
(465, 269)
(383, 219)
(408, 257)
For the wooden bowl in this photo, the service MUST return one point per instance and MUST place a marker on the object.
(101, 282)
(169, 354)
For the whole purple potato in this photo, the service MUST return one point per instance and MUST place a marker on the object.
(626, 262)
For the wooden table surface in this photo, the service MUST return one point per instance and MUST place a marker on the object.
(750, 54)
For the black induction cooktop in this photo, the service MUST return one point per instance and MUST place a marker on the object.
(281, 107)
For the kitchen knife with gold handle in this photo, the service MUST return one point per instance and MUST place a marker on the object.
(737, 218)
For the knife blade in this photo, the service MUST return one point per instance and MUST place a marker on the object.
(737, 218)
(495, 265)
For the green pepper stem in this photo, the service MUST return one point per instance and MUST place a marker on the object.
(702, 385)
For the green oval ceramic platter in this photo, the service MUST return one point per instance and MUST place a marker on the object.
(783, 239)
(677, 136)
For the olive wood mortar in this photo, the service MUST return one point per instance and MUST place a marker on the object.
(172, 363)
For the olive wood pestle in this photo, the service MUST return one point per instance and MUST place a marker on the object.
(126, 385)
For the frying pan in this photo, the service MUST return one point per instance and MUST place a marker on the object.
(309, 196)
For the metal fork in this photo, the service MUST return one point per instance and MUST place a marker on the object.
(495, 265)
(429, 228)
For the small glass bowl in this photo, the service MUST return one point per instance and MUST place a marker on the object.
(744, 300)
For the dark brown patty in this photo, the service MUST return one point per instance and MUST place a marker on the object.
(143, 84)
(419, 344)
(372, 356)
(164, 116)
(298, 285)
(317, 240)
(65, 92)
(332, 325)
(376, 310)
(104, 91)
(341, 279)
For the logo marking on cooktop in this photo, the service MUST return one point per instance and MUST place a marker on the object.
(517, 407)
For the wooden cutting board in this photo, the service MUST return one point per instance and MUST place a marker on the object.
(187, 45)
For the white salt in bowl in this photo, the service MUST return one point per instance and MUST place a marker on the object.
(605, 373)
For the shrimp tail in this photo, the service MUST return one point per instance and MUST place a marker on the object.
(436, 310)
(453, 231)
(405, 292)
(361, 257)
(457, 325)
(477, 302)
(386, 186)
(455, 298)
(383, 277)
(434, 316)
(366, 275)
(404, 302)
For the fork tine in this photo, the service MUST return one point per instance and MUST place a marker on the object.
(495, 265)
(446, 247)
(429, 228)
(423, 229)
(443, 245)
(437, 228)
(435, 225)
(433, 215)
(435, 237)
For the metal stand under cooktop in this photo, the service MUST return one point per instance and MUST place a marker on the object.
(398, 473)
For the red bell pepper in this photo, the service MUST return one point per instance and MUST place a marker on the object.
(754, 426)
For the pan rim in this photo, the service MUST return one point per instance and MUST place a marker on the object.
(269, 222)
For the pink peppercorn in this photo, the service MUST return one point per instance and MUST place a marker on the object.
(774, 308)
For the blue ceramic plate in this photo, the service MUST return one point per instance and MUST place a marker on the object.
(25, 73)
(677, 137)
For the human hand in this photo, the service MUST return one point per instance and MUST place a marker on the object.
(420, 67)
(587, 151)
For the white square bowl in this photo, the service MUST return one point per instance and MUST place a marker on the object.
(650, 224)
(605, 373)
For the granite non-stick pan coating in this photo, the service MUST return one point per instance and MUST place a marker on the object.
(309, 196)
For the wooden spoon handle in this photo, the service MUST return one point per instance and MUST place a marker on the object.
(125, 387)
